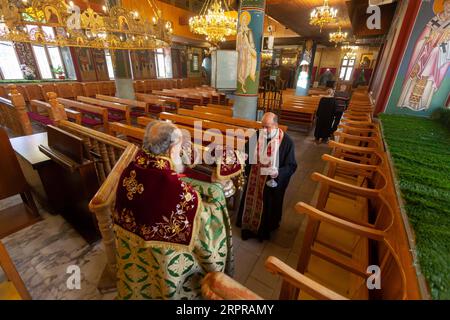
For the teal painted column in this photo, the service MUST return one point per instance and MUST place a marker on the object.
(306, 66)
(248, 45)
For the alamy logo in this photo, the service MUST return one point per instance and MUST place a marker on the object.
(74, 280)
(374, 20)
(374, 280)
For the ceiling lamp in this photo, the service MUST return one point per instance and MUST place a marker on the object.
(338, 37)
(323, 15)
(213, 23)
(61, 23)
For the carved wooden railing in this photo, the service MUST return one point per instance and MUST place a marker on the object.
(102, 205)
(111, 156)
(13, 113)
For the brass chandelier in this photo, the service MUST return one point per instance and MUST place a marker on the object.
(213, 22)
(338, 37)
(61, 23)
(323, 15)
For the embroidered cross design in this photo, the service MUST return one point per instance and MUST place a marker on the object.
(435, 23)
(132, 185)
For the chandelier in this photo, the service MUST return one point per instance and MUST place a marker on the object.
(61, 23)
(323, 15)
(338, 37)
(213, 22)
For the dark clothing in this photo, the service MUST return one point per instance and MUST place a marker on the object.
(342, 99)
(272, 197)
(324, 117)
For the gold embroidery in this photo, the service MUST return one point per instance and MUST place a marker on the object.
(132, 185)
(126, 220)
(160, 164)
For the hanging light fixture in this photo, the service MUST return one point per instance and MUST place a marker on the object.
(213, 23)
(323, 15)
(60, 23)
(338, 37)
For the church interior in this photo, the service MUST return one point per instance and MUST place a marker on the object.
(356, 93)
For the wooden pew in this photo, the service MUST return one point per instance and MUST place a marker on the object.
(151, 98)
(113, 107)
(36, 115)
(88, 111)
(207, 136)
(186, 99)
(34, 92)
(223, 111)
(298, 115)
(13, 113)
(219, 106)
(206, 124)
(131, 134)
(240, 122)
(46, 88)
(90, 89)
(143, 106)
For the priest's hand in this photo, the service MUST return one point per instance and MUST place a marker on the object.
(273, 172)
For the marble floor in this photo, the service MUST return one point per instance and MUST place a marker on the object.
(43, 252)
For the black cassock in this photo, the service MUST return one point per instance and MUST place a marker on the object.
(272, 197)
(324, 117)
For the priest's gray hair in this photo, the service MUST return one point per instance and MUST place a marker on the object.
(160, 136)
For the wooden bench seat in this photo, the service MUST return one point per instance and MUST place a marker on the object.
(245, 123)
(223, 111)
(97, 116)
(116, 111)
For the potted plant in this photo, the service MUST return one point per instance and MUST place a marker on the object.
(28, 73)
(59, 72)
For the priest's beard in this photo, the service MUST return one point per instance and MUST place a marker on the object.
(177, 162)
(270, 134)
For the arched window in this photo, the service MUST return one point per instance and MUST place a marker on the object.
(347, 66)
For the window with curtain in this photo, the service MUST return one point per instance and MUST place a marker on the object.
(109, 64)
(347, 66)
(9, 63)
(163, 63)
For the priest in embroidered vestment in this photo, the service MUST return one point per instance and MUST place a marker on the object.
(262, 205)
(171, 230)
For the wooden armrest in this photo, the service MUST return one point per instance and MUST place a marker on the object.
(355, 190)
(372, 233)
(362, 130)
(348, 164)
(11, 273)
(219, 286)
(355, 137)
(75, 115)
(348, 147)
(311, 287)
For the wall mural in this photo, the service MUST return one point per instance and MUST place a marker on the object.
(85, 64)
(423, 81)
(142, 64)
(100, 64)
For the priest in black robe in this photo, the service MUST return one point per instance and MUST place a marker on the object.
(261, 206)
(324, 117)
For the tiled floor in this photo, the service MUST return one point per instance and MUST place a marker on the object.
(43, 252)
